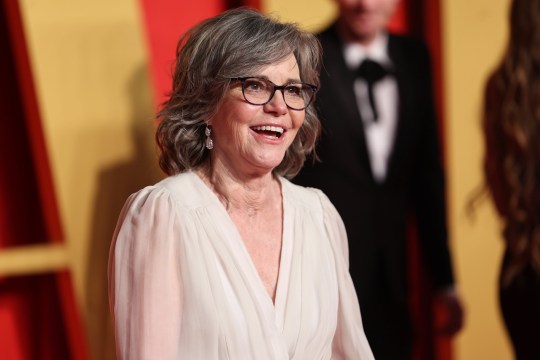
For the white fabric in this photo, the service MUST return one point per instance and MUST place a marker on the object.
(380, 134)
(183, 286)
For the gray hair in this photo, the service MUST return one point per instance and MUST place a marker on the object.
(235, 43)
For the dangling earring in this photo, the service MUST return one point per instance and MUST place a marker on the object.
(209, 143)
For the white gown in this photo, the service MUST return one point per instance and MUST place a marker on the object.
(182, 285)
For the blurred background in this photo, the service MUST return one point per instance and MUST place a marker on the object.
(80, 82)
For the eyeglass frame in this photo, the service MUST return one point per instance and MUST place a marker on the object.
(277, 87)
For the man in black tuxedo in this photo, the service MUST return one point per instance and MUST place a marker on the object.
(381, 167)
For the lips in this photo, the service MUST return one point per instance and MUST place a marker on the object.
(273, 132)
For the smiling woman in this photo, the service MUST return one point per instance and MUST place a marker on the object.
(243, 140)
(226, 258)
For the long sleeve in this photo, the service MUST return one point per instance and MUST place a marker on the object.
(182, 285)
(350, 341)
(145, 288)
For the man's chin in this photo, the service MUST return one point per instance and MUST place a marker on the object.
(363, 33)
(358, 30)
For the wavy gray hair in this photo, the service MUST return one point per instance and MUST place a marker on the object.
(235, 43)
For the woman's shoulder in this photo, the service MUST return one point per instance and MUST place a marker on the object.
(309, 197)
(182, 190)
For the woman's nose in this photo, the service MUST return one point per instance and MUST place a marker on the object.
(277, 104)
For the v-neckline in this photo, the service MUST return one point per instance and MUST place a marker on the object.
(278, 304)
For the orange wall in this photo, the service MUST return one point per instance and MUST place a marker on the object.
(474, 37)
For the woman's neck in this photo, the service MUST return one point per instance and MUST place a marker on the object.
(249, 193)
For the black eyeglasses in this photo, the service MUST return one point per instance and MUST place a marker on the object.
(259, 91)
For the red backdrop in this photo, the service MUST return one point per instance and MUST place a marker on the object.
(38, 316)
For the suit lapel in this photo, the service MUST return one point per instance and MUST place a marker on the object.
(342, 83)
(400, 68)
(342, 87)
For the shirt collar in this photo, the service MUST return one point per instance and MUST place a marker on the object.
(377, 50)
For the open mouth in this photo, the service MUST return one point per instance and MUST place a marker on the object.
(273, 132)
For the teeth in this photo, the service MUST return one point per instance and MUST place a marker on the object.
(269, 128)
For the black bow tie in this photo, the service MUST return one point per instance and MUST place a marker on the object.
(371, 71)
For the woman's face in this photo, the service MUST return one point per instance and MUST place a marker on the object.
(244, 135)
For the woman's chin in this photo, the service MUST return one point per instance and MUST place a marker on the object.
(267, 164)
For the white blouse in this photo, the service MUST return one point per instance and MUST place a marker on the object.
(182, 284)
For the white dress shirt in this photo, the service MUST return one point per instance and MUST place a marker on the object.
(379, 134)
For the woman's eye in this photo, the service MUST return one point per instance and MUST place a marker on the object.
(294, 90)
(254, 85)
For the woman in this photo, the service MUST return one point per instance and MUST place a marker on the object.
(512, 171)
(225, 258)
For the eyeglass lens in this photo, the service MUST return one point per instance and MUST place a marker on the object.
(259, 91)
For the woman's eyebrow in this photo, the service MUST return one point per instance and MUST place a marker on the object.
(288, 81)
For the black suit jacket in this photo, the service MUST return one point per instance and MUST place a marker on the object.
(376, 214)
